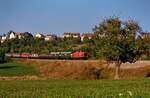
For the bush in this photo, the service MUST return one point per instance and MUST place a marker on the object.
(3, 59)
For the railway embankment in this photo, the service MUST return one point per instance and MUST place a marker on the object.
(88, 69)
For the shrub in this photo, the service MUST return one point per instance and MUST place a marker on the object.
(2, 56)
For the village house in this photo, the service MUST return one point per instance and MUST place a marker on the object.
(19, 35)
(50, 37)
(145, 34)
(40, 36)
(3, 38)
(87, 35)
(13, 35)
(71, 34)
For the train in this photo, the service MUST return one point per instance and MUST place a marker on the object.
(51, 55)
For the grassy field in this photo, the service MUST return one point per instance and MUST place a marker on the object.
(17, 69)
(76, 89)
(61, 88)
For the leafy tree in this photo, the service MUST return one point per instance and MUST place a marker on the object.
(118, 42)
(26, 38)
(146, 39)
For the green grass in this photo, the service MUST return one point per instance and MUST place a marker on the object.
(139, 88)
(75, 89)
(17, 69)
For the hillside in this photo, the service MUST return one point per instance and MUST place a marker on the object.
(88, 69)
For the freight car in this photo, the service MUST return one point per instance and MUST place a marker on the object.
(60, 55)
(51, 55)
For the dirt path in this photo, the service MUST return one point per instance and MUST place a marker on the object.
(21, 78)
(138, 64)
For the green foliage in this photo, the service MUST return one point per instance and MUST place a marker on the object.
(75, 89)
(87, 40)
(34, 45)
(117, 40)
(2, 55)
(147, 44)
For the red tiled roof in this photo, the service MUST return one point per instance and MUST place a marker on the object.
(88, 35)
(71, 33)
(145, 33)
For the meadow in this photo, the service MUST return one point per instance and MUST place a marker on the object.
(66, 87)
(75, 89)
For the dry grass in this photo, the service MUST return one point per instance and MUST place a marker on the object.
(84, 69)
(136, 73)
(62, 69)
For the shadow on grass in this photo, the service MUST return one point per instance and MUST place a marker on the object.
(7, 67)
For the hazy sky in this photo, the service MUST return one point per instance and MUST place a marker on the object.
(60, 16)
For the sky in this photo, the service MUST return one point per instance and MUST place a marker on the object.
(58, 16)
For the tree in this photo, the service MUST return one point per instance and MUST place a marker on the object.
(26, 38)
(2, 55)
(118, 41)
